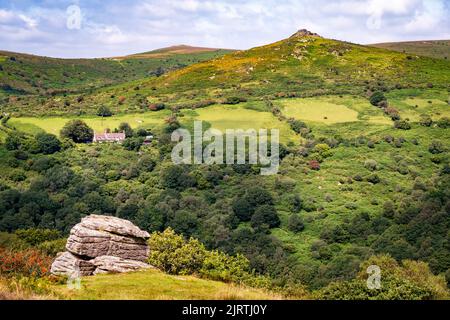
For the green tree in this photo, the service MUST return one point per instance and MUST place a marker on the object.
(125, 127)
(376, 98)
(265, 216)
(77, 131)
(104, 111)
(48, 143)
(295, 224)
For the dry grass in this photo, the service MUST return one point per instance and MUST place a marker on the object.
(12, 290)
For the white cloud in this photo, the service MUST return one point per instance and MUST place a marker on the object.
(117, 27)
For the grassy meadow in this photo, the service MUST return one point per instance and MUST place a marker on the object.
(156, 285)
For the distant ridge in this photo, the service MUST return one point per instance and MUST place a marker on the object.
(173, 50)
(439, 49)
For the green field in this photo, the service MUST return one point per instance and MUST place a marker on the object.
(54, 124)
(224, 117)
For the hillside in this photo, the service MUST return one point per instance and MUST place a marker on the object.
(439, 49)
(300, 66)
(178, 50)
(29, 74)
(357, 179)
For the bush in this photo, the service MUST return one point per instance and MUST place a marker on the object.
(77, 131)
(297, 125)
(104, 111)
(402, 124)
(28, 262)
(425, 120)
(323, 150)
(371, 165)
(222, 267)
(37, 236)
(376, 98)
(295, 224)
(133, 144)
(125, 127)
(13, 142)
(17, 175)
(314, 165)
(443, 123)
(234, 100)
(173, 254)
(47, 143)
(156, 106)
(53, 247)
(410, 280)
(393, 113)
(374, 179)
(244, 207)
(436, 147)
(265, 217)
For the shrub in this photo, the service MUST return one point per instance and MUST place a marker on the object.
(47, 143)
(36, 236)
(28, 262)
(295, 224)
(376, 98)
(156, 106)
(389, 209)
(17, 175)
(297, 125)
(77, 131)
(443, 123)
(125, 127)
(374, 179)
(222, 267)
(410, 280)
(234, 100)
(265, 217)
(425, 120)
(173, 254)
(53, 247)
(402, 124)
(13, 142)
(244, 207)
(104, 111)
(393, 113)
(371, 165)
(133, 144)
(436, 147)
(314, 165)
(323, 150)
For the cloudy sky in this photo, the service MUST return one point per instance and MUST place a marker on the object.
(103, 28)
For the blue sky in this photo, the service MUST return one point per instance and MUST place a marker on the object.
(112, 28)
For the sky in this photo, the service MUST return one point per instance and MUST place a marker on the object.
(96, 28)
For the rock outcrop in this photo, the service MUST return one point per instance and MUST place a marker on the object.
(109, 264)
(304, 33)
(103, 244)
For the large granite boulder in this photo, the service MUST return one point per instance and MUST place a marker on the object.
(71, 265)
(103, 244)
(108, 236)
(109, 264)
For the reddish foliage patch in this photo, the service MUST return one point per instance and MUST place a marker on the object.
(314, 165)
(29, 262)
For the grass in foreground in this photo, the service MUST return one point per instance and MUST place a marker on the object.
(156, 285)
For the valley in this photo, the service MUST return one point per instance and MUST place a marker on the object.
(363, 179)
